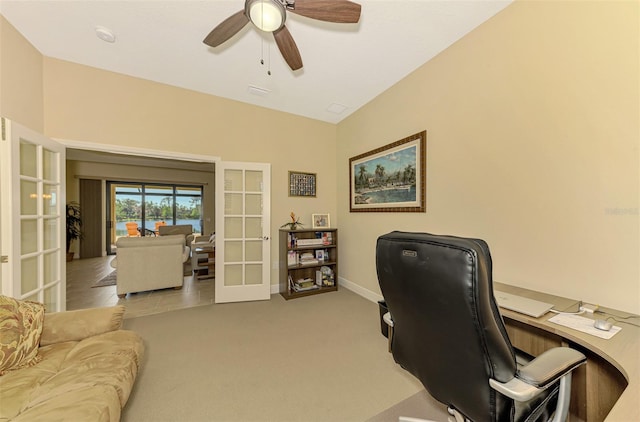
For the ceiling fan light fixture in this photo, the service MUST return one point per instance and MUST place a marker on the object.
(266, 15)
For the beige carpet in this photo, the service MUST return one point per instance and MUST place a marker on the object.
(318, 358)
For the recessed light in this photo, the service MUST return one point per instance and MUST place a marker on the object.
(336, 108)
(105, 34)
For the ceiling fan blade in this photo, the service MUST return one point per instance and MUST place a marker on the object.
(288, 48)
(338, 11)
(227, 29)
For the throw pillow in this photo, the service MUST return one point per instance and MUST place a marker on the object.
(20, 330)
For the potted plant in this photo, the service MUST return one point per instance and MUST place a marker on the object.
(294, 223)
(74, 226)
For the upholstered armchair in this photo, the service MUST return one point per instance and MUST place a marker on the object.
(149, 263)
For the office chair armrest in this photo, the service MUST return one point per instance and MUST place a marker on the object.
(387, 319)
(550, 366)
(541, 372)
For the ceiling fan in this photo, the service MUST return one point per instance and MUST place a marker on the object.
(270, 16)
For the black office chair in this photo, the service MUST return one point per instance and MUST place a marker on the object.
(446, 330)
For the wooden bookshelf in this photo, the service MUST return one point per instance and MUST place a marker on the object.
(299, 244)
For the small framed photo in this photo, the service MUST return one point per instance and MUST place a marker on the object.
(320, 221)
(320, 255)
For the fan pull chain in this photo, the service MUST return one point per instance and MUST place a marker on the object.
(268, 58)
(262, 51)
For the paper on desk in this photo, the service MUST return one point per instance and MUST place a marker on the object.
(583, 324)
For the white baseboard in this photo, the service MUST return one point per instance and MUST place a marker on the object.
(275, 289)
(359, 290)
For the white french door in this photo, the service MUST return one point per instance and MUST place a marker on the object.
(243, 192)
(32, 216)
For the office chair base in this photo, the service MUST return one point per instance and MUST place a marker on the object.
(453, 412)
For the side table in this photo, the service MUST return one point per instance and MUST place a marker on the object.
(203, 261)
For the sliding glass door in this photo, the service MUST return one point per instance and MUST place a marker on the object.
(138, 209)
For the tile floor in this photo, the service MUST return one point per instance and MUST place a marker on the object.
(83, 273)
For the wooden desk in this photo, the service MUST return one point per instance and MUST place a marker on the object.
(608, 386)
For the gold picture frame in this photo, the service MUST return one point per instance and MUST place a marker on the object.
(391, 178)
(302, 184)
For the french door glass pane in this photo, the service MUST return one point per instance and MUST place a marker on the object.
(34, 297)
(253, 181)
(51, 264)
(233, 180)
(50, 234)
(49, 199)
(253, 274)
(233, 275)
(253, 250)
(253, 227)
(49, 165)
(28, 159)
(233, 227)
(28, 236)
(233, 203)
(28, 198)
(254, 204)
(233, 251)
(51, 297)
(29, 274)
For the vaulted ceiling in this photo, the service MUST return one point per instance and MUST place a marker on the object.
(345, 65)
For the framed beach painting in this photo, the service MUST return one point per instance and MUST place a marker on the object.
(391, 178)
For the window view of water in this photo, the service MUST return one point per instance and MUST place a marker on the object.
(121, 229)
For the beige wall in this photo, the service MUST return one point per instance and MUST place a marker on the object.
(532, 144)
(533, 135)
(21, 89)
(90, 105)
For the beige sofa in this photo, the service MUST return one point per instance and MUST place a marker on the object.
(149, 263)
(86, 367)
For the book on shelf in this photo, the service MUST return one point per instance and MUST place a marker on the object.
(309, 242)
(291, 240)
(303, 284)
(307, 259)
(327, 238)
(292, 258)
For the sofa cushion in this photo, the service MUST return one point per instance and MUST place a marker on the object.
(20, 331)
(97, 403)
(76, 380)
(77, 325)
